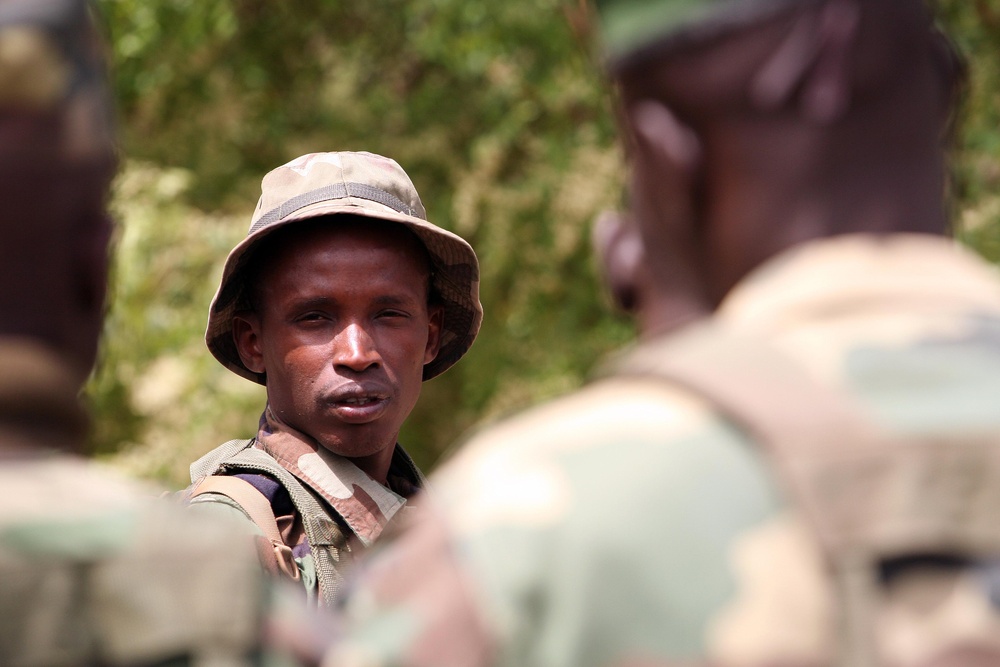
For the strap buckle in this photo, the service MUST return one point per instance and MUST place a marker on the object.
(286, 560)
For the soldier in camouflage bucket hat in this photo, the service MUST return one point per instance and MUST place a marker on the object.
(365, 185)
(800, 462)
(94, 568)
(325, 462)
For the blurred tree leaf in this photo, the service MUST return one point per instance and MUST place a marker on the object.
(493, 109)
(496, 111)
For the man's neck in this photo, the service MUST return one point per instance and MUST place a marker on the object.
(376, 465)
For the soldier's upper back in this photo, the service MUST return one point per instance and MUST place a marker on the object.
(652, 511)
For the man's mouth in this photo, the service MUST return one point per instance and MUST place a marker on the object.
(359, 407)
(359, 400)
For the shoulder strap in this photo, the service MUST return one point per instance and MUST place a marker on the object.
(279, 557)
(863, 487)
(793, 418)
(327, 541)
(755, 385)
(867, 494)
(209, 463)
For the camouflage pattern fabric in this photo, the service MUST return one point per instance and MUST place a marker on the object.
(633, 524)
(97, 570)
(351, 500)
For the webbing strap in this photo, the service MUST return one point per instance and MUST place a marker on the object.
(332, 193)
(257, 507)
(794, 419)
(328, 543)
(757, 386)
(246, 496)
(790, 415)
(867, 494)
(210, 462)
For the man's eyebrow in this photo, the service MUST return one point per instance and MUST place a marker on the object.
(395, 300)
(311, 302)
(383, 300)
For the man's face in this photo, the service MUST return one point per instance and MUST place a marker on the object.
(343, 330)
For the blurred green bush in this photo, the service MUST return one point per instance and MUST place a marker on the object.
(495, 109)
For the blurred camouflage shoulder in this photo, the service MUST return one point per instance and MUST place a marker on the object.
(97, 570)
(634, 523)
(579, 505)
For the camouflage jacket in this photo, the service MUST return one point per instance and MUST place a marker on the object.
(326, 507)
(96, 570)
(636, 523)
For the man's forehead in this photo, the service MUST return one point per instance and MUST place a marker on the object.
(327, 234)
(324, 264)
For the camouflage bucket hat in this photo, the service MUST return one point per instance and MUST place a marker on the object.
(364, 185)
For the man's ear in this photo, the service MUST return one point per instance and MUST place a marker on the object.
(435, 322)
(246, 335)
(620, 254)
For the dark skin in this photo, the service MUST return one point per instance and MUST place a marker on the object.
(56, 232)
(828, 119)
(657, 307)
(343, 327)
(57, 159)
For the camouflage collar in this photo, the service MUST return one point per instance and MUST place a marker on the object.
(364, 504)
(858, 273)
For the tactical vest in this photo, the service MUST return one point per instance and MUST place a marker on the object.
(327, 540)
(869, 497)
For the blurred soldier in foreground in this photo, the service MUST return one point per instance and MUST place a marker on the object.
(93, 569)
(341, 300)
(808, 475)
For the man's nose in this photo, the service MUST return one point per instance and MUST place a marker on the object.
(354, 348)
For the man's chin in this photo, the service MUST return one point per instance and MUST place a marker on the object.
(359, 444)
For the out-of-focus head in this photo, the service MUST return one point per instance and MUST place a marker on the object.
(754, 125)
(633, 28)
(57, 158)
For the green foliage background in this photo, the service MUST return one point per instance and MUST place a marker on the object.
(495, 109)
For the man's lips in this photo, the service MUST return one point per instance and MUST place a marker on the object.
(358, 406)
(360, 400)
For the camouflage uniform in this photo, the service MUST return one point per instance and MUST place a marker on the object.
(638, 523)
(324, 505)
(94, 570)
(354, 510)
